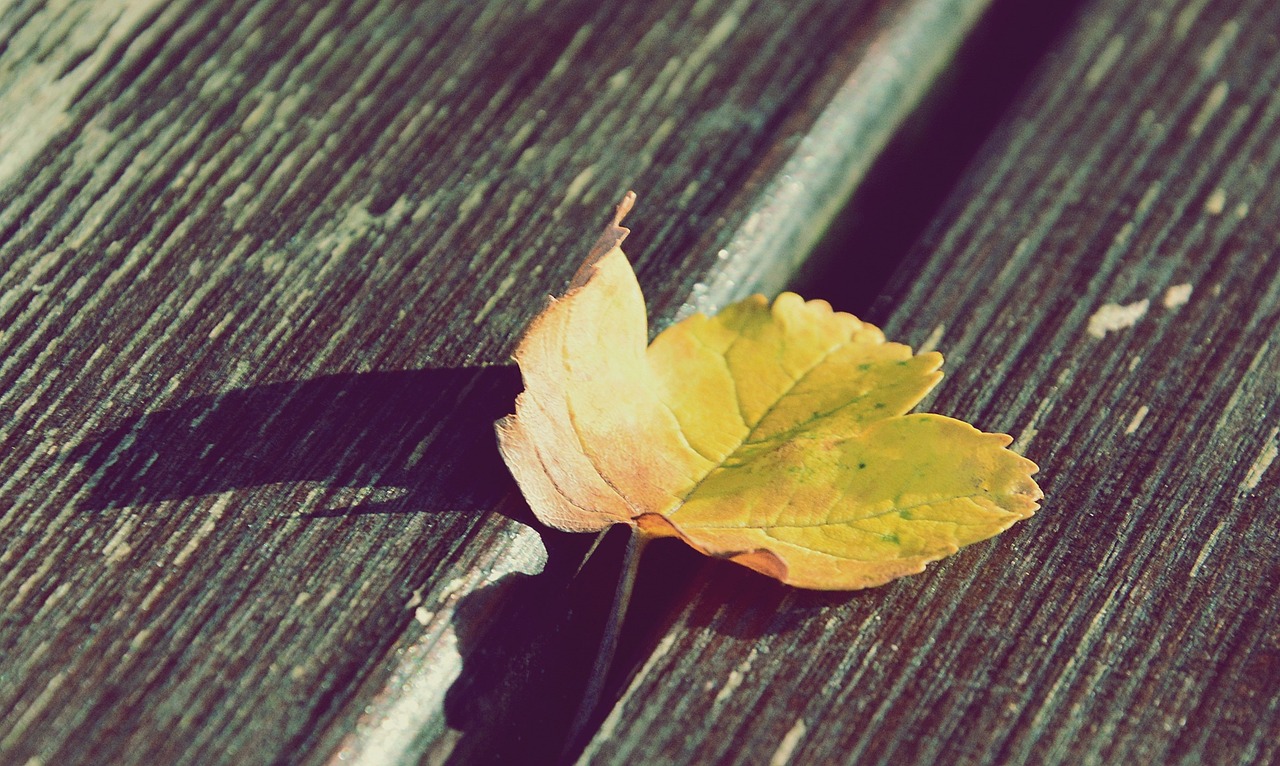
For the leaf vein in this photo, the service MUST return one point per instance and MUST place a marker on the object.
(797, 381)
(577, 433)
(733, 379)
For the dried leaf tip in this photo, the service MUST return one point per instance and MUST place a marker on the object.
(624, 207)
(612, 236)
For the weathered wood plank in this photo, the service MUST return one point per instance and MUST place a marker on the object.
(262, 267)
(1105, 284)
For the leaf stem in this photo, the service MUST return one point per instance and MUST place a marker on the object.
(608, 642)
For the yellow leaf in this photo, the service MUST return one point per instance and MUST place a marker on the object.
(775, 435)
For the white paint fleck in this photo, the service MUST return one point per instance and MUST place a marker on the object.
(1123, 235)
(451, 588)
(117, 548)
(714, 40)
(355, 224)
(619, 79)
(1137, 419)
(140, 638)
(1207, 549)
(790, 741)
(351, 497)
(731, 685)
(1242, 210)
(1177, 295)
(1148, 199)
(222, 325)
(30, 582)
(1111, 317)
(521, 134)
(565, 61)
(254, 119)
(474, 200)
(37, 706)
(1187, 17)
(1270, 450)
(328, 597)
(735, 679)
(659, 135)
(215, 513)
(274, 263)
(57, 595)
(1216, 203)
(610, 723)
(1212, 102)
(427, 206)
(506, 284)
(578, 184)
(931, 342)
(423, 616)
(1104, 62)
(1214, 52)
(1101, 617)
(1032, 427)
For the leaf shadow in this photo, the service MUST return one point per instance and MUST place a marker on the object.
(407, 441)
(738, 603)
(528, 642)
(527, 645)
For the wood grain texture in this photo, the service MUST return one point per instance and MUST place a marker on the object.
(263, 264)
(1105, 284)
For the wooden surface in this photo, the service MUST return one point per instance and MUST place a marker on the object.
(262, 267)
(1135, 619)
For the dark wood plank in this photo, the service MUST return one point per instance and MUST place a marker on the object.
(263, 264)
(1105, 283)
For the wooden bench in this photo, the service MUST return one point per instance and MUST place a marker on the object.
(264, 265)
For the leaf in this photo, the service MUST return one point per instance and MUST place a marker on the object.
(775, 436)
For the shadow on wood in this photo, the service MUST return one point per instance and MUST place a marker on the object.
(903, 190)
(410, 441)
(527, 645)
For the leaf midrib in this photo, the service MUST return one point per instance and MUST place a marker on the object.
(752, 427)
